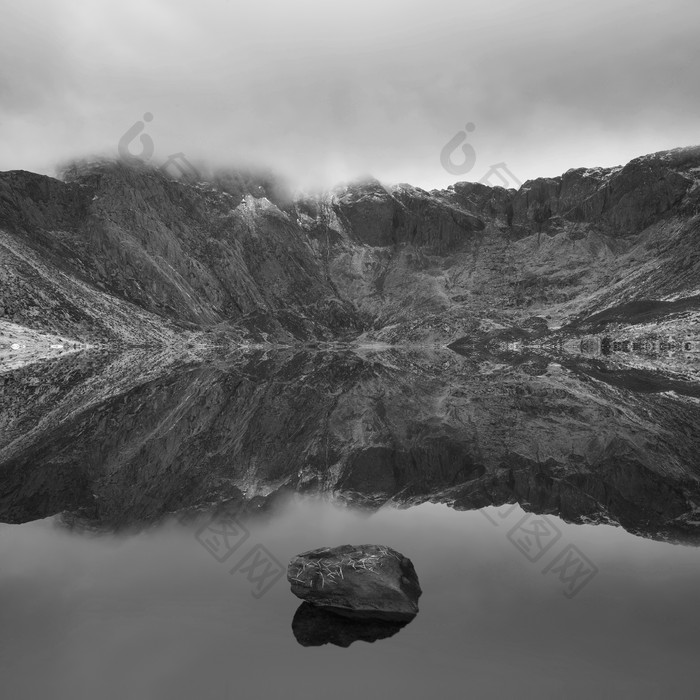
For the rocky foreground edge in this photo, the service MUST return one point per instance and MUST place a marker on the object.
(366, 581)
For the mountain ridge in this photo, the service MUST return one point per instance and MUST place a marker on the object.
(124, 254)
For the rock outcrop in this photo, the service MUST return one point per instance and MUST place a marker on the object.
(365, 581)
(521, 283)
(116, 253)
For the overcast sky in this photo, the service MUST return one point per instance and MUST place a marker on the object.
(324, 91)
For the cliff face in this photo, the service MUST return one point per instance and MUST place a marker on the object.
(175, 253)
(123, 253)
(599, 270)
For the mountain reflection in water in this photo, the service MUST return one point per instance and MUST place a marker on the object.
(113, 440)
(145, 459)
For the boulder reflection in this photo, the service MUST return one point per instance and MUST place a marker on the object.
(313, 627)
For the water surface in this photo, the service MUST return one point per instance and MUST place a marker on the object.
(155, 615)
(117, 470)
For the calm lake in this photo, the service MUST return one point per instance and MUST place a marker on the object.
(155, 614)
(150, 506)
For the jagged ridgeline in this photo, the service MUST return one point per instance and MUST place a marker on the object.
(597, 271)
(116, 253)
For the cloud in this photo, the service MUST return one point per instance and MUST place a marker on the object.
(323, 91)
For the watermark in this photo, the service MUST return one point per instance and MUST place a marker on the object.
(221, 540)
(469, 154)
(536, 537)
(497, 170)
(261, 569)
(259, 566)
(224, 537)
(185, 169)
(456, 164)
(176, 161)
(574, 568)
(147, 145)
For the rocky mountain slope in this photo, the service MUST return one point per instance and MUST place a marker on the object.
(159, 309)
(122, 254)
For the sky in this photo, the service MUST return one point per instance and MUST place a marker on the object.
(322, 92)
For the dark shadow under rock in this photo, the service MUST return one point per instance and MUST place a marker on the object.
(313, 626)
